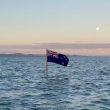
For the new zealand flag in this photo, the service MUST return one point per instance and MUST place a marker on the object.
(57, 58)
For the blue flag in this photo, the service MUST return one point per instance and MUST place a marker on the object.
(57, 58)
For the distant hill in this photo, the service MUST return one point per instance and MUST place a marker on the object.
(36, 55)
(19, 54)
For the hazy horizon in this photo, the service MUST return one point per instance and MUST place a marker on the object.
(88, 49)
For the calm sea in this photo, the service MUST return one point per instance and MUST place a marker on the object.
(83, 85)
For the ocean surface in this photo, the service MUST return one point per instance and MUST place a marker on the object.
(83, 85)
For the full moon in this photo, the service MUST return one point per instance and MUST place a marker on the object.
(97, 28)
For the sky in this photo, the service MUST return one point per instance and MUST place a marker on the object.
(31, 26)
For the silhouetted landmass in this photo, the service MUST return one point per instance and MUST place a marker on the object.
(38, 55)
(19, 54)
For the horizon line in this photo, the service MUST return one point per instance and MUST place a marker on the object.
(25, 54)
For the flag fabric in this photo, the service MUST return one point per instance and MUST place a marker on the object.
(58, 58)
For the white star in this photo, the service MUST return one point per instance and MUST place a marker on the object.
(63, 63)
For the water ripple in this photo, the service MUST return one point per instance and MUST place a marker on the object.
(83, 85)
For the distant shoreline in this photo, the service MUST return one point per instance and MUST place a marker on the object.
(20, 54)
(39, 55)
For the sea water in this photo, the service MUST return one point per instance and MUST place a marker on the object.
(83, 85)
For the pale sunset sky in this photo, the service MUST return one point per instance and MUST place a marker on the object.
(75, 27)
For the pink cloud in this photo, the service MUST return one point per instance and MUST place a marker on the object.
(71, 49)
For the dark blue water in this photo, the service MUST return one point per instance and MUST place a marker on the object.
(83, 85)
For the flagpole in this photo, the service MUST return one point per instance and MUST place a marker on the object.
(46, 63)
